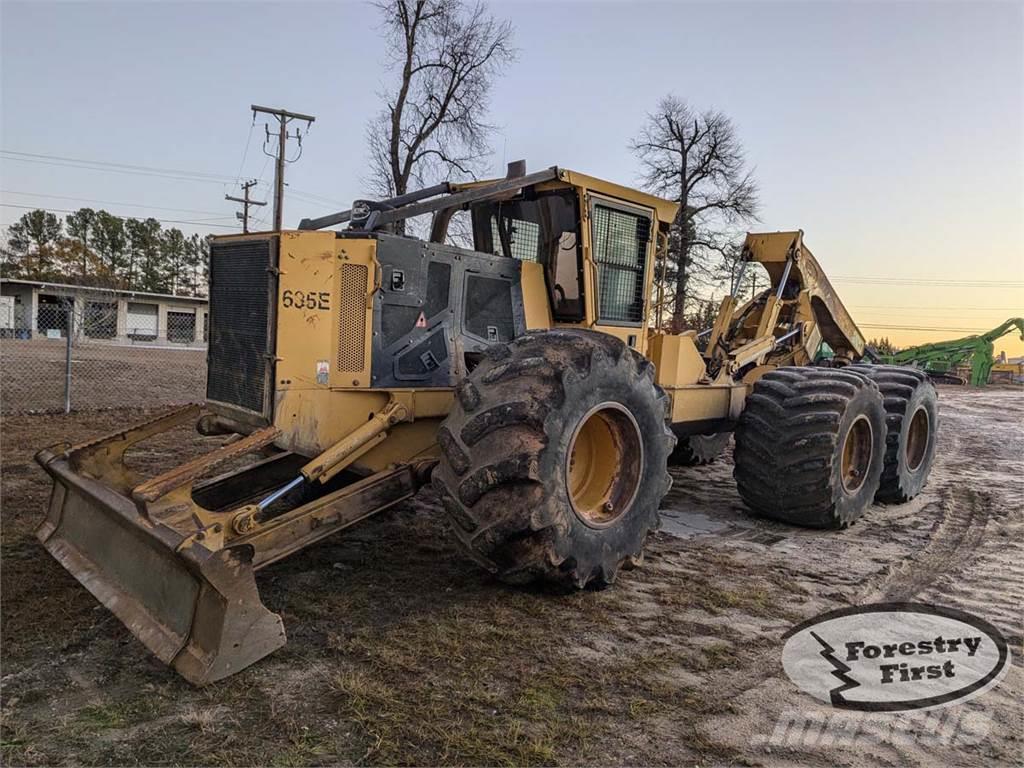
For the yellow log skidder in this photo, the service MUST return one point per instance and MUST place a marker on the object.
(525, 378)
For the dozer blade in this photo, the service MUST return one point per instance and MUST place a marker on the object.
(173, 557)
(196, 609)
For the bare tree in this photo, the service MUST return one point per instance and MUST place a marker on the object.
(696, 159)
(433, 128)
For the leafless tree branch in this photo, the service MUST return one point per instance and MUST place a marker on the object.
(696, 159)
(447, 54)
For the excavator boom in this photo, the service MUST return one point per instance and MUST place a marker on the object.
(941, 357)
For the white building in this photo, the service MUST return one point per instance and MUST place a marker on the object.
(32, 309)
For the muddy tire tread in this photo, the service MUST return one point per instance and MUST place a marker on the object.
(786, 443)
(490, 482)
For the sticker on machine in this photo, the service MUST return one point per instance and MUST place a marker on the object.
(323, 371)
(891, 657)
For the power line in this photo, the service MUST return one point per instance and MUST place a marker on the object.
(150, 169)
(143, 170)
(118, 170)
(880, 278)
(929, 283)
(267, 211)
(943, 310)
(314, 198)
(923, 328)
(108, 202)
(162, 221)
(245, 152)
(124, 166)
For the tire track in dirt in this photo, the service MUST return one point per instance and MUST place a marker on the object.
(969, 546)
(957, 534)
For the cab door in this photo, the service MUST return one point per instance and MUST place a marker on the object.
(618, 252)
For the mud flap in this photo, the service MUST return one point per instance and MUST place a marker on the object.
(197, 610)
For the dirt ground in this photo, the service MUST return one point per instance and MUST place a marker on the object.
(402, 652)
(32, 375)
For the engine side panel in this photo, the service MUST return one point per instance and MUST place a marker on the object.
(437, 303)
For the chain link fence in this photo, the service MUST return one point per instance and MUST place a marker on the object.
(87, 352)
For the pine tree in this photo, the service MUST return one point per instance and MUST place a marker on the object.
(79, 225)
(31, 242)
(172, 251)
(110, 242)
(152, 274)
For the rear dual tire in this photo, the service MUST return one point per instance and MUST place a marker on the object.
(815, 446)
(810, 446)
(912, 420)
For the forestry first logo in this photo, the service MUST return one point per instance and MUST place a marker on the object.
(889, 657)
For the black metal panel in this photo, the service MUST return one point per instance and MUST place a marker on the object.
(242, 298)
(488, 304)
(437, 303)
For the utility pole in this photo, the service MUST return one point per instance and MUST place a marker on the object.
(283, 117)
(246, 202)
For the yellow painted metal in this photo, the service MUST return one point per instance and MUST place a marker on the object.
(722, 321)
(591, 189)
(856, 454)
(306, 333)
(312, 421)
(804, 353)
(406, 442)
(834, 322)
(355, 443)
(769, 316)
(676, 360)
(664, 209)
(751, 352)
(605, 461)
(751, 377)
(702, 403)
(324, 311)
(536, 306)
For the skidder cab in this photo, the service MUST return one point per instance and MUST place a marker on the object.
(526, 377)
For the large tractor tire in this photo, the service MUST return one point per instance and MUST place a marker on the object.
(553, 458)
(912, 421)
(810, 445)
(695, 450)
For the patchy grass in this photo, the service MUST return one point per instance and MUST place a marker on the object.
(400, 652)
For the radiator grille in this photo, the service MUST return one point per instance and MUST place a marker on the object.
(352, 319)
(239, 308)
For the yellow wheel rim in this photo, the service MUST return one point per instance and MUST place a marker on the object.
(604, 464)
(857, 450)
(917, 439)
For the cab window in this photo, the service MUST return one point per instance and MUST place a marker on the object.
(620, 239)
(543, 229)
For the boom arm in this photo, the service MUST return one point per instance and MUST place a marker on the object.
(978, 349)
(785, 324)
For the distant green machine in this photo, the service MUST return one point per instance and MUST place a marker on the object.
(940, 359)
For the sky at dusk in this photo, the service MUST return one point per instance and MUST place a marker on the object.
(891, 133)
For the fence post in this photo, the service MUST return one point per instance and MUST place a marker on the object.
(67, 357)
